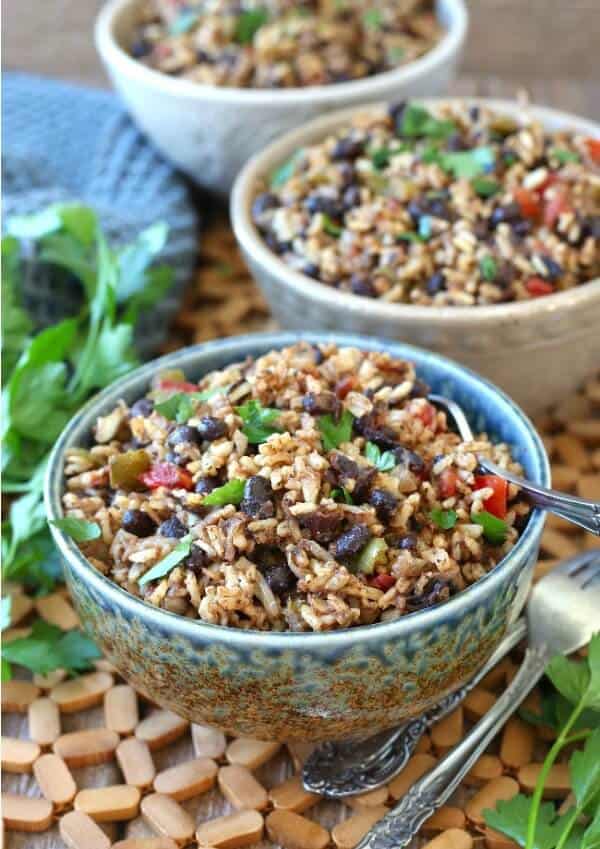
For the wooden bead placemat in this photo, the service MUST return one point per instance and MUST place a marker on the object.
(92, 765)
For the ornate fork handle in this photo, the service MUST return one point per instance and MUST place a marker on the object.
(338, 770)
(580, 511)
(397, 828)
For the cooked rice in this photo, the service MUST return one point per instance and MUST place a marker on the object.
(289, 556)
(480, 209)
(282, 44)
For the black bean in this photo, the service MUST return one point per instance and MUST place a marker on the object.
(363, 484)
(509, 213)
(435, 591)
(203, 57)
(311, 270)
(280, 579)
(591, 226)
(396, 113)
(183, 434)
(210, 428)
(140, 48)
(384, 503)
(205, 485)
(177, 459)
(257, 497)
(553, 268)
(436, 283)
(522, 228)
(420, 389)
(351, 542)
(474, 113)
(319, 403)
(409, 459)
(322, 525)
(347, 172)
(347, 148)
(318, 355)
(173, 528)
(344, 466)
(138, 523)
(143, 408)
(415, 211)
(361, 285)
(384, 437)
(264, 203)
(456, 142)
(322, 203)
(407, 542)
(351, 197)
(196, 559)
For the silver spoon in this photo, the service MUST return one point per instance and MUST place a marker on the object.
(579, 511)
(562, 615)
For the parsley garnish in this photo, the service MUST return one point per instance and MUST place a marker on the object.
(534, 824)
(181, 406)
(48, 648)
(373, 19)
(78, 529)
(484, 187)
(248, 24)
(494, 529)
(444, 519)
(466, 164)
(340, 493)
(231, 492)
(330, 227)
(258, 421)
(418, 122)
(488, 267)
(564, 156)
(335, 433)
(383, 460)
(409, 237)
(160, 569)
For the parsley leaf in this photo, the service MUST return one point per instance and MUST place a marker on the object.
(564, 156)
(340, 493)
(160, 569)
(494, 529)
(510, 817)
(485, 187)
(16, 325)
(417, 122)
(467, 164)
(384, 461)
(488, 267)
(335, 433)
(181, 406)
(373, 19)
(78, 529)
(231, 492)
(248, 25)
(48, 648)
(584, 767)
(409, 237)
(444, 519)
(330, 227)
(258, 421)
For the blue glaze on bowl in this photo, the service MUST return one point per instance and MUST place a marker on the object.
(311, 686)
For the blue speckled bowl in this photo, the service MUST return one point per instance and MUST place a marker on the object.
(311, 686)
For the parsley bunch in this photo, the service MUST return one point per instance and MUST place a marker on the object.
(47, 376)
(574, 711)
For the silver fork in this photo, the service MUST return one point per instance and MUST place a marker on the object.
(579, 511)
(344, 769)
(562, 615)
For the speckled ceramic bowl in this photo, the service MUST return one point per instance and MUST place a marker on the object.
(312, 686)
(539, 351)
(210, 131)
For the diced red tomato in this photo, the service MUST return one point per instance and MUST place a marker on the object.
(345, 385)
(593, 146)
(176, 386)
(537, 287)
(550, 180)
(529, 203)
(496, 503)
(427, 413)
(383, 582)
(447, 483)
(556, 205)
(168, 475)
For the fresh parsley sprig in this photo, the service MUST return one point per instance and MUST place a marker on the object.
(383, 460)
(48, 648)
(536, 825)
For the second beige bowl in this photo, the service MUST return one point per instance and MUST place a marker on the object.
(538, 351)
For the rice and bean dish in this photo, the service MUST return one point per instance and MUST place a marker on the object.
(456, 206)
(282, 44)
(313, 488)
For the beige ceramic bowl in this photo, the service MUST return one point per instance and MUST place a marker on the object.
(538, 351)
(210, 131)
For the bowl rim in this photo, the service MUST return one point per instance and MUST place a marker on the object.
(248, 237)
(367, 87)
(236, 348)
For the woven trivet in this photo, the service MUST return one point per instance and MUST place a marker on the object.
(224, 301)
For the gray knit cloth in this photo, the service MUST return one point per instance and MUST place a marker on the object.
(61, 142)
